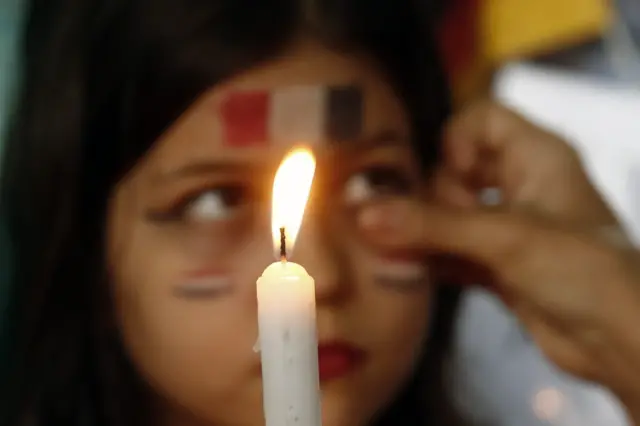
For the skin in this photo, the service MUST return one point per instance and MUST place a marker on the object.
(553, 250)
(196, 353)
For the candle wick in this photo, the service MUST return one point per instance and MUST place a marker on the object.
(283, 245)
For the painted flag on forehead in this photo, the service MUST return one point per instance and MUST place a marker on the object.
(244, 118)
(293, 114)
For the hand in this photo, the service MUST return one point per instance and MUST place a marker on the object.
(488, 145)
(554, 249)
(576, 291)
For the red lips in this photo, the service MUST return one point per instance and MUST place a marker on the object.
(338, 359)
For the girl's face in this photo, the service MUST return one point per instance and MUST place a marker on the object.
(190, 232)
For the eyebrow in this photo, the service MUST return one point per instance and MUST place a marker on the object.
(199, 168)
(380, 139)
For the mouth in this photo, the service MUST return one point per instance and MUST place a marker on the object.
(337, 359)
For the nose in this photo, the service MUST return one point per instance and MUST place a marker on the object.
(315, 251)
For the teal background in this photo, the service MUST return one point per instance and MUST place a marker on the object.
(10, 21)
(9, 26)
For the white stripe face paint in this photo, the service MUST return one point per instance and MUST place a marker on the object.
(297, 115)
(204, 287)
(401, 275)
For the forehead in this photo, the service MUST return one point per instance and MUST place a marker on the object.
(303, 68)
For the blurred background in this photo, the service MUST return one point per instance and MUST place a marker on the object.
(574, 67)
(570, 65)
(10, 13)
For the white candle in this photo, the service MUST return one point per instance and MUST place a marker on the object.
(289, 346)
(287, 308)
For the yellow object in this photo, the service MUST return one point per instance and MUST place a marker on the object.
(519, 28)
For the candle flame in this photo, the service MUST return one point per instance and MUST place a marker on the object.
(291, 188)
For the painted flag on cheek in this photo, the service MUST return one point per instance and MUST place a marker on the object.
(293, 114)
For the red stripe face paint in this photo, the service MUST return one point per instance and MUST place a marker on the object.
(245, 118)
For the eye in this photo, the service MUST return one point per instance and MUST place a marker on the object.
(375, 182)
(209, 205)
(214, 204)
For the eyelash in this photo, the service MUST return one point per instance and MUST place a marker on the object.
(179, 209)
(379, 181)
(386, 180)
(392, 178)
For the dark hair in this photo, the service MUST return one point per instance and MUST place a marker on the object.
(102, 79)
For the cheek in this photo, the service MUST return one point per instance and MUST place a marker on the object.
(397, 296)
(401, 301)
(400, 289)
(194, 346)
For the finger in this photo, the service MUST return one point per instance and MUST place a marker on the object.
(556, 269)
(484, 127)
(451, 191)
(479, 143)
(455, 269)
(486, 171)
(556, 342)
(485, 236)
(461, 272)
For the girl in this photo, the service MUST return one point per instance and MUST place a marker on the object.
(135, 193)
(138, 212)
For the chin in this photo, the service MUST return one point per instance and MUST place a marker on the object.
(345, 409)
